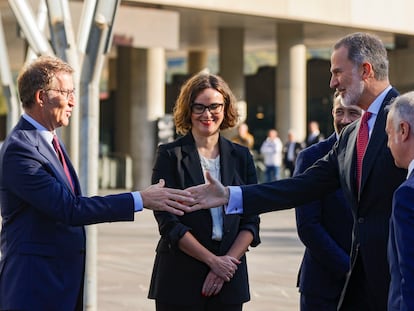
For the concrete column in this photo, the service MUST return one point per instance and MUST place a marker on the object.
(231, 59)
(291, 81)
(401, 67)
(197, 61)
(141, 100)
(155, 83)
(231, 68)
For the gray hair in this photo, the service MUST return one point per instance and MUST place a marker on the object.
(402, 109)
(364, 47)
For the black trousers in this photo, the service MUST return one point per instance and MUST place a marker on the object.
(309, 302)
(210, 304)
(357, 294)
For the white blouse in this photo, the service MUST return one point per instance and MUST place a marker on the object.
(213, 167)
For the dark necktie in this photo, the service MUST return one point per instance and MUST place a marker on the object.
(361, 145)
(56, 145)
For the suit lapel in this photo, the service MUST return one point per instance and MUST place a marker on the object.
(46, 151)
(190, 162)
(228, 163)
(49, 154)
(350, 159)
(377, 140)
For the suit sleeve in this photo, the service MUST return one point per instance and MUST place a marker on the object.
(311, 231)
(251, 222)
(404, 235)
(317, 181)
(170, 227)
(32, 183)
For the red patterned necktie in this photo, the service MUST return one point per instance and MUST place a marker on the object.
(56, 145)
(361, 144)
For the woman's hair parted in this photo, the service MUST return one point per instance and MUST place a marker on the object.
(191, 89)
(38, 75)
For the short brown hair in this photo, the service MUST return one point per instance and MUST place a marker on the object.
(38, 75)
(191, 89)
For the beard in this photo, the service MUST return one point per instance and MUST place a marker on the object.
(353, 93)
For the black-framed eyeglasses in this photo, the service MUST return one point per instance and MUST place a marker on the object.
(67, 93)
(200, 108)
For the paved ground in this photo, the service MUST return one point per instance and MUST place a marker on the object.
(126, 253)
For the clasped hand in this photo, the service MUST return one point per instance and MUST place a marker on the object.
(222, 270)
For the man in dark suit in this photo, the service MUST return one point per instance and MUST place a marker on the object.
(325, 228)
(42, 262)
(400, 127)
(359, 68)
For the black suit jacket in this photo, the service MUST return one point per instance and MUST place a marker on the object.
(371, 208)
(325, 228)
(178, 278)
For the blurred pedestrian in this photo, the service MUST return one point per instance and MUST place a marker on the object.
(244, 137)
(291, 150)
(314, 135)
(272, 150)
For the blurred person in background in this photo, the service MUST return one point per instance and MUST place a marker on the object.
(272, 150)
(291, 150)
(244, 137)
(314, 135)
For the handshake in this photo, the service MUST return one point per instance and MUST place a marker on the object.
(176, 201)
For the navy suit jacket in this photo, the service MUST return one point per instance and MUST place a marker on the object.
(178, 278)
(371, 207)
(325, 228)
(42, 237)
(401, 250)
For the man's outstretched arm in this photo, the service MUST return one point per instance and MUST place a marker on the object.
(208, 195)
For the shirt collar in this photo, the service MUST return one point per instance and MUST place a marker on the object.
(375, 106)
(410, 168)
(44, 132)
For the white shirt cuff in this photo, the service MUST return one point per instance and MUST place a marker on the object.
(235, 204)
(138, 204)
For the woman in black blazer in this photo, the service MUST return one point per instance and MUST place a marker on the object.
(200, 262)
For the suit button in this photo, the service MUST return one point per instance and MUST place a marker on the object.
(361, 220)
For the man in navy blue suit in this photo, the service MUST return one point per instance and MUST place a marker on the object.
(400, 130)
(42, 243)
(325, 227)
